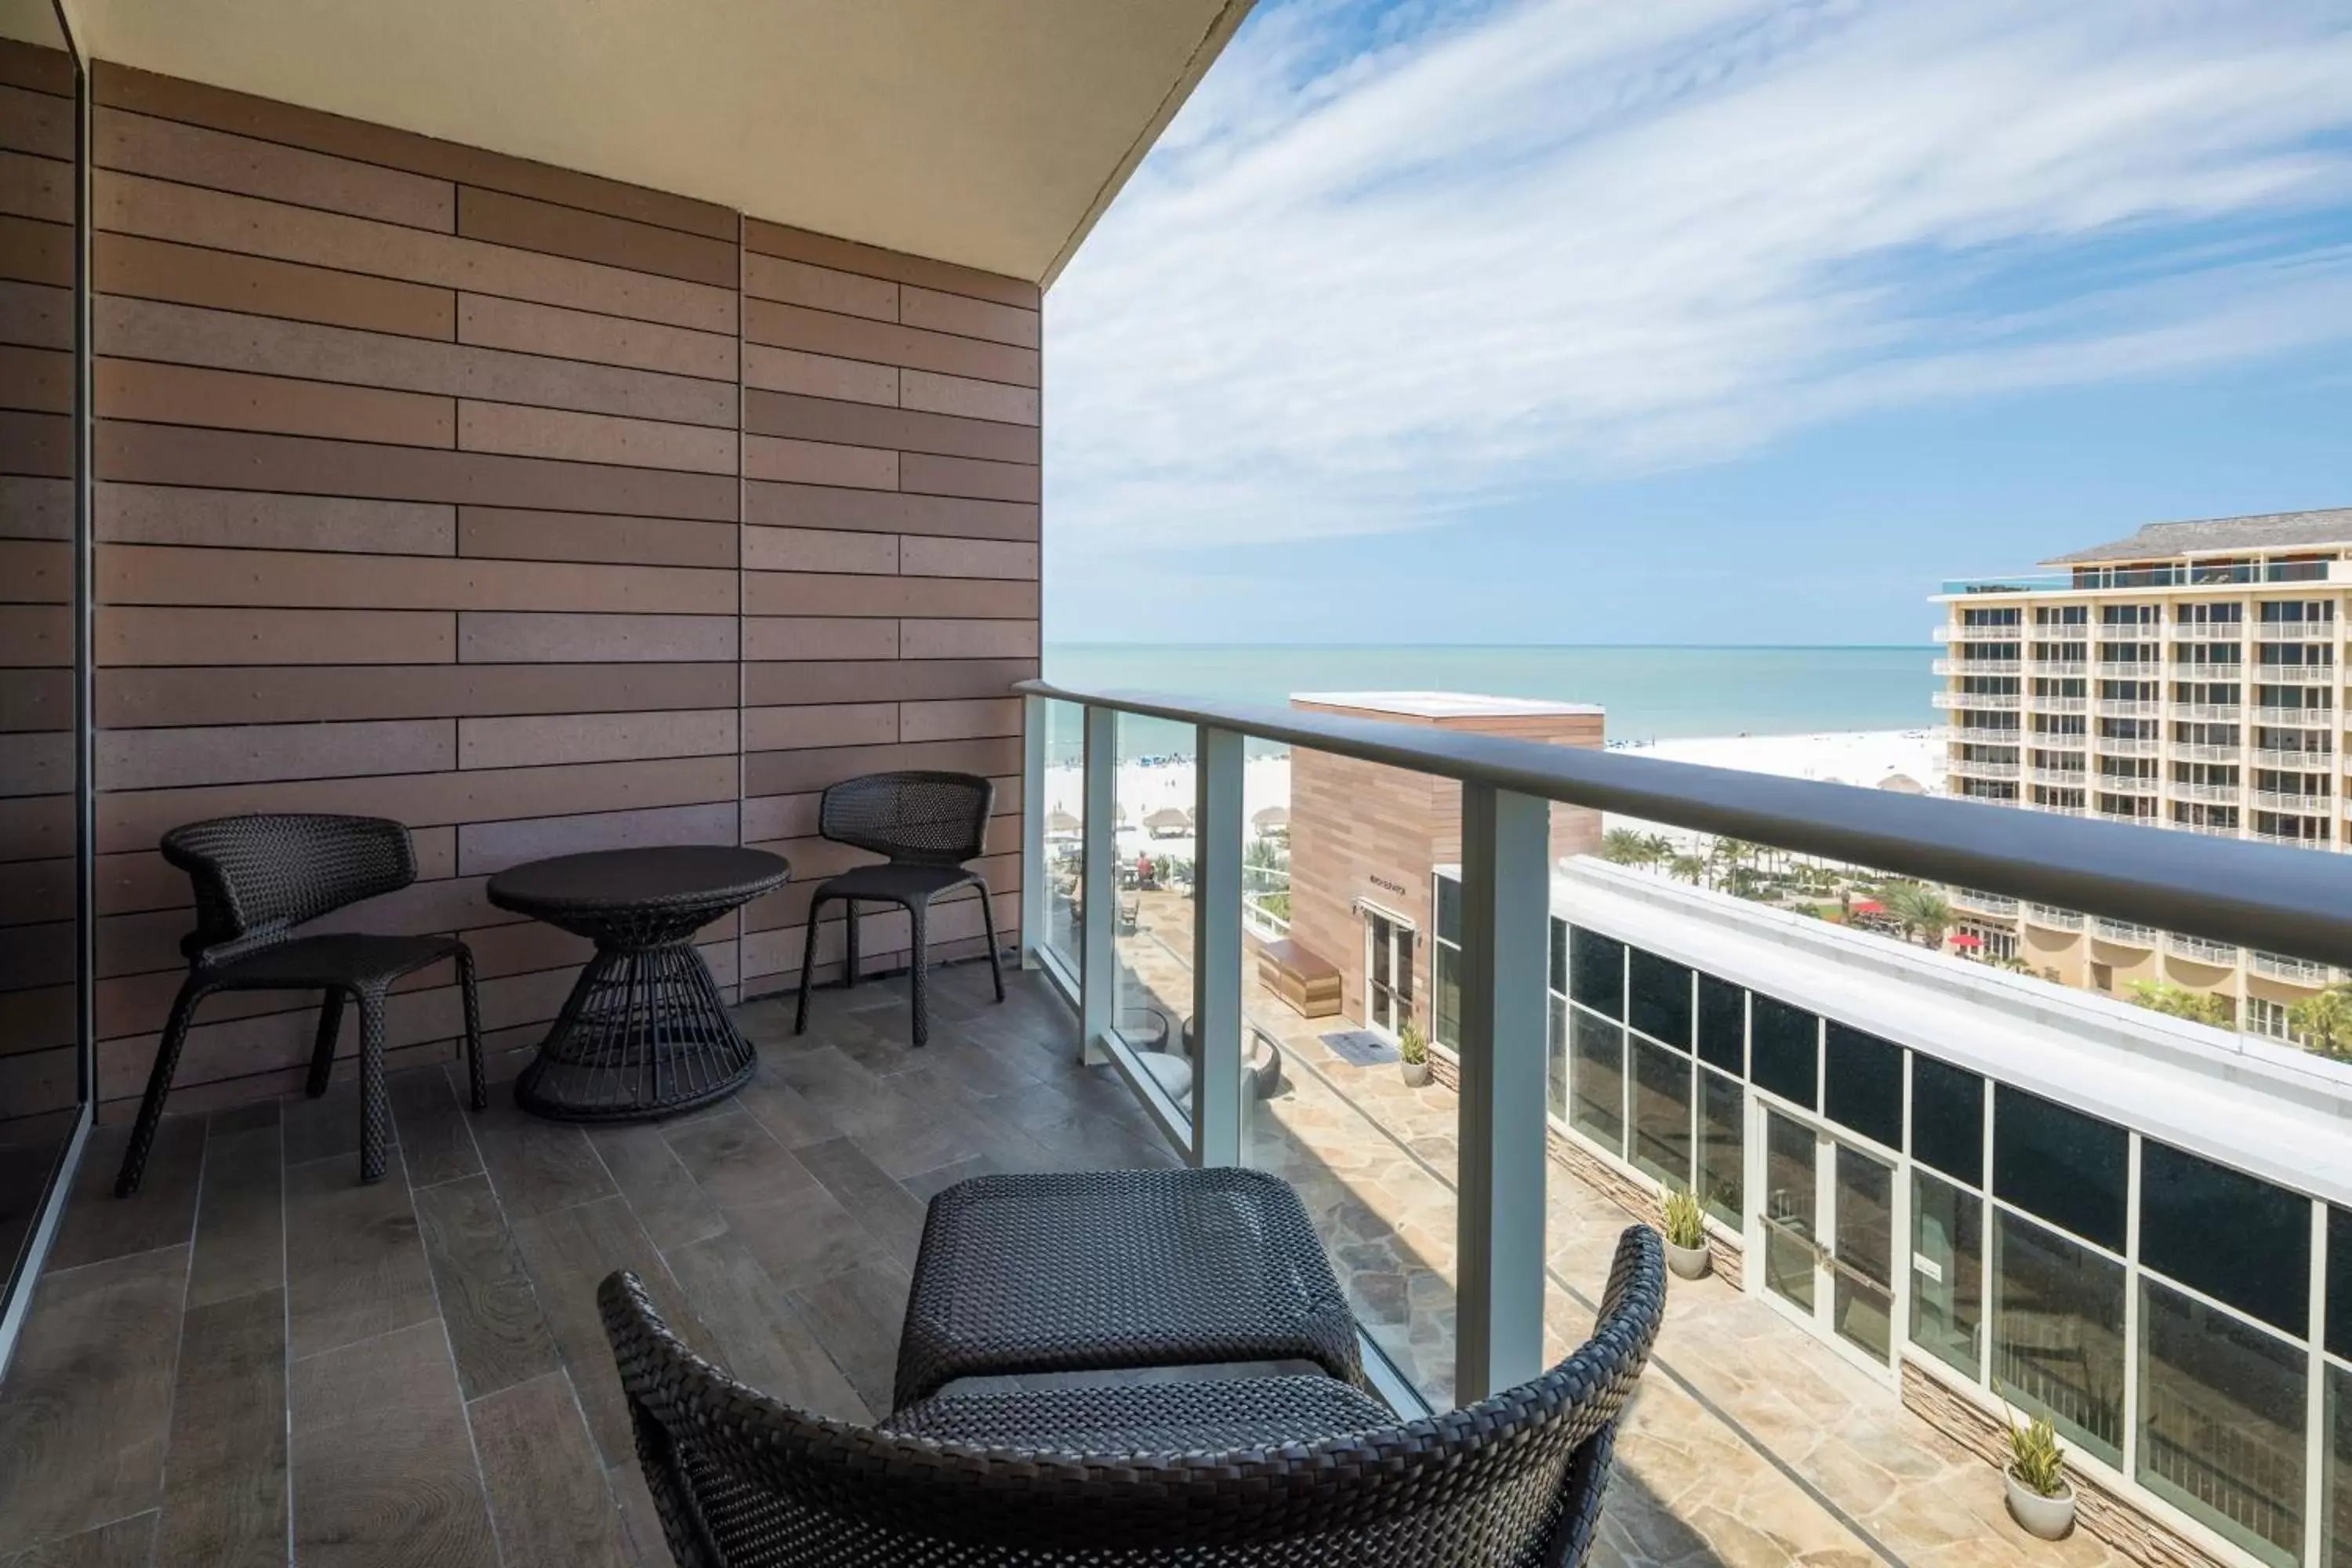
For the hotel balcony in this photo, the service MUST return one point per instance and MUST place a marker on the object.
(2073, 778)
(2293, 631)
(1978, 701)
(1976, 768)
(2207, 712)
(1977, 667)
(2225, 794)
(2207, 829)
(2298, 761)
(2150, 668)
(2193, 752)
(2290, 674)
(2045, 704)
(2126, 933)
(2198, 950)
(2206, 631)
(2060, 667)
(2134, 746)
(449, 464)
(1983, 903)
(1950, 632)
(2287, 718)
(2311, 805)
(2120, 708)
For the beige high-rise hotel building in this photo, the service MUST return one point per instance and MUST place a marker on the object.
(2189, 677)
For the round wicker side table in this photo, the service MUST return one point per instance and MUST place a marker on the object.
(644, 1033)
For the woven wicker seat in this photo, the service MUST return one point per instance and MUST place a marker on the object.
(1516, 1478)
(929, 824)
(257, 877)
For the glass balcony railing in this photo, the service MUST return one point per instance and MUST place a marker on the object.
(1737, 1008)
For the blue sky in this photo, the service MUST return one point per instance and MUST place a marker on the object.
(1696, 320)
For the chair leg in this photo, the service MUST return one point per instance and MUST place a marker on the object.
(808, 967)
(375, 1103)
(918, 913)
(159, 1084)
(849, 937)
(322, 1055)
(477, 1092)
(995, 960)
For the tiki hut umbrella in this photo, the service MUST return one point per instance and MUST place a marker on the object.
(1273, 819)
(1167, 822)
(1062, 822)
(1903, 784)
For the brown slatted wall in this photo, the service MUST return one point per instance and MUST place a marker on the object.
(36, 818)
(890, 551)
(418, 494)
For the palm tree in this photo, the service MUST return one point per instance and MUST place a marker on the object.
(1688, 869)
(1624, 846)
(2324, 1023)
(1662, 849)
(2179, 1002)
(1919, 910)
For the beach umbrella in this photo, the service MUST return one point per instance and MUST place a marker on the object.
(1168, 818)
(1965, 940)
(1903, 784)
(1272, 819)
(1868, 907)
(1062, 822)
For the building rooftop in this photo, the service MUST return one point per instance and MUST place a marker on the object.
(2272, 530)
(1445, 704)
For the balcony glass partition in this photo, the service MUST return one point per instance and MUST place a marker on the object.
(1065, 822)
(1152, 866)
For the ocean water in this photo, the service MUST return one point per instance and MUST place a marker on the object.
(1651, 693)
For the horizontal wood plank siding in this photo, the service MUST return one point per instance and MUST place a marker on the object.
(541, 512)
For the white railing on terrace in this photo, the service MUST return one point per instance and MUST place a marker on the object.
(2129, 933)
(2047, 704)
(2294, 971)
(2208, 631)
(2294, 718)
(2145, 818)
(1950, 632)
(1982, 701)
(1983, 903)
(2199, 949)
(2061, 667)
(2065, 778)
(2209, 712)
(2128, 746)
(2125, 783)
(2129, 707)
(1977, 667)
(2112, 670)
(2208, 829)
(2290, 840)
(2300, 762)
(2294, 631)
(2225, 794)
(2055, 918)
(1976, 768)
(2053, 810)
(2198, 752)
(2308, 805)
(2290, 674)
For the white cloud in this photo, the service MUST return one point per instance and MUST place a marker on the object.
(1367, 281)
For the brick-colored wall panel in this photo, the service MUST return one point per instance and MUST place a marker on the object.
(36, 123)
(37, 187)
(34, 313)
(34, 252)
(542, 513)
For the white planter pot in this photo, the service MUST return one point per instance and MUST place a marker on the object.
(2049, 1518)
(1415, 1073)
(1689, 1262)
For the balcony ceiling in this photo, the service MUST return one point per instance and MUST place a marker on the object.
(986, 132)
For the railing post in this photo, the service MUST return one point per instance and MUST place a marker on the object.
(1035, 893)
(1506, 904)
(1217, 948)
(1097, 955)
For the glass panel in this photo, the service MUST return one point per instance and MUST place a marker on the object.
(2339, 1468)
(1559, 1073)
(1559, 955)
(2234, 1236)
(1449, 911)
(1863, 1084)
(1660, 998)
(1722, 1163)
(1662, 1114)
(1791, 1196)
(1065, 812)
(2058, 1333)
(2061, 1164)
(1948, 1117)
(1152, 918)
(42, 1078)
(1597, 1079)
(1862, 1301)
(1947, 1258)
(1446, 995)
(1784, 1049)
(1597, 971)
(1723, 1024)
(2339, 1281)
(2221, 1419)
(1371, 1156)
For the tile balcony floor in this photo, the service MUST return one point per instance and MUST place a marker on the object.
(256, 1356)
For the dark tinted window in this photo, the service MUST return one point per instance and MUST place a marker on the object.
(1660, 998)
(1782, 1046)
(1948, 1119)
(1449, 910)
(1723, 1024)
(2339, 1281)
(1596, 972)
(1863, 1087)
(2234, 1236)
(2059, 1163)
(1560, 956)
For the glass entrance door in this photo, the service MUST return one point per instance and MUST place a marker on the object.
(1388, 972)
(1828, 1219)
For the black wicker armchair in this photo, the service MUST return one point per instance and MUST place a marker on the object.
(1290, 1471)
(257, 877)
(929, 824)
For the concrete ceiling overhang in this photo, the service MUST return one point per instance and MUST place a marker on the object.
(986, 132)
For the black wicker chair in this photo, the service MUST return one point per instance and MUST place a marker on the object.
(929, 824)
(257, 877)
(1288, 1471)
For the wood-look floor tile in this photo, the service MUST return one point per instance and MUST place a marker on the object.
(89, 1396)
(316, 1129)
(383, 1464)
(757, 1334)
(119, 1543)
(434, 1136)
(224, 1475)
(546, 1484)
(640, 1520)
(892, 1214)
(537, 1165)
(569, 1251)
(856, 1315)
(495, 1328)
(790, 1120)
(897, 1131)
(803, 1238)
(736, 1161)
(232, 1120)
(928, 1185)
(240, 1219)
(355, 1266)
(162, 1213)
(668, 1201)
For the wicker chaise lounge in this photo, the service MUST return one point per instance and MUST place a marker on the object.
(1287, 1470)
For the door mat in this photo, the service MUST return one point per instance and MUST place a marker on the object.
(1362, 1047)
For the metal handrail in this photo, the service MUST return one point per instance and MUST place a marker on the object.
(2286, 901)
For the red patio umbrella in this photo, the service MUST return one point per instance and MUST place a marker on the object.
(1868, 907)
(1965, 940)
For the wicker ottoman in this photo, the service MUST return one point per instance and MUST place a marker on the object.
(1103, 1269)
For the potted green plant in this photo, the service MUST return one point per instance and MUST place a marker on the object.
(1687, 1252)
(1413, 1053)
(2040, 1499)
